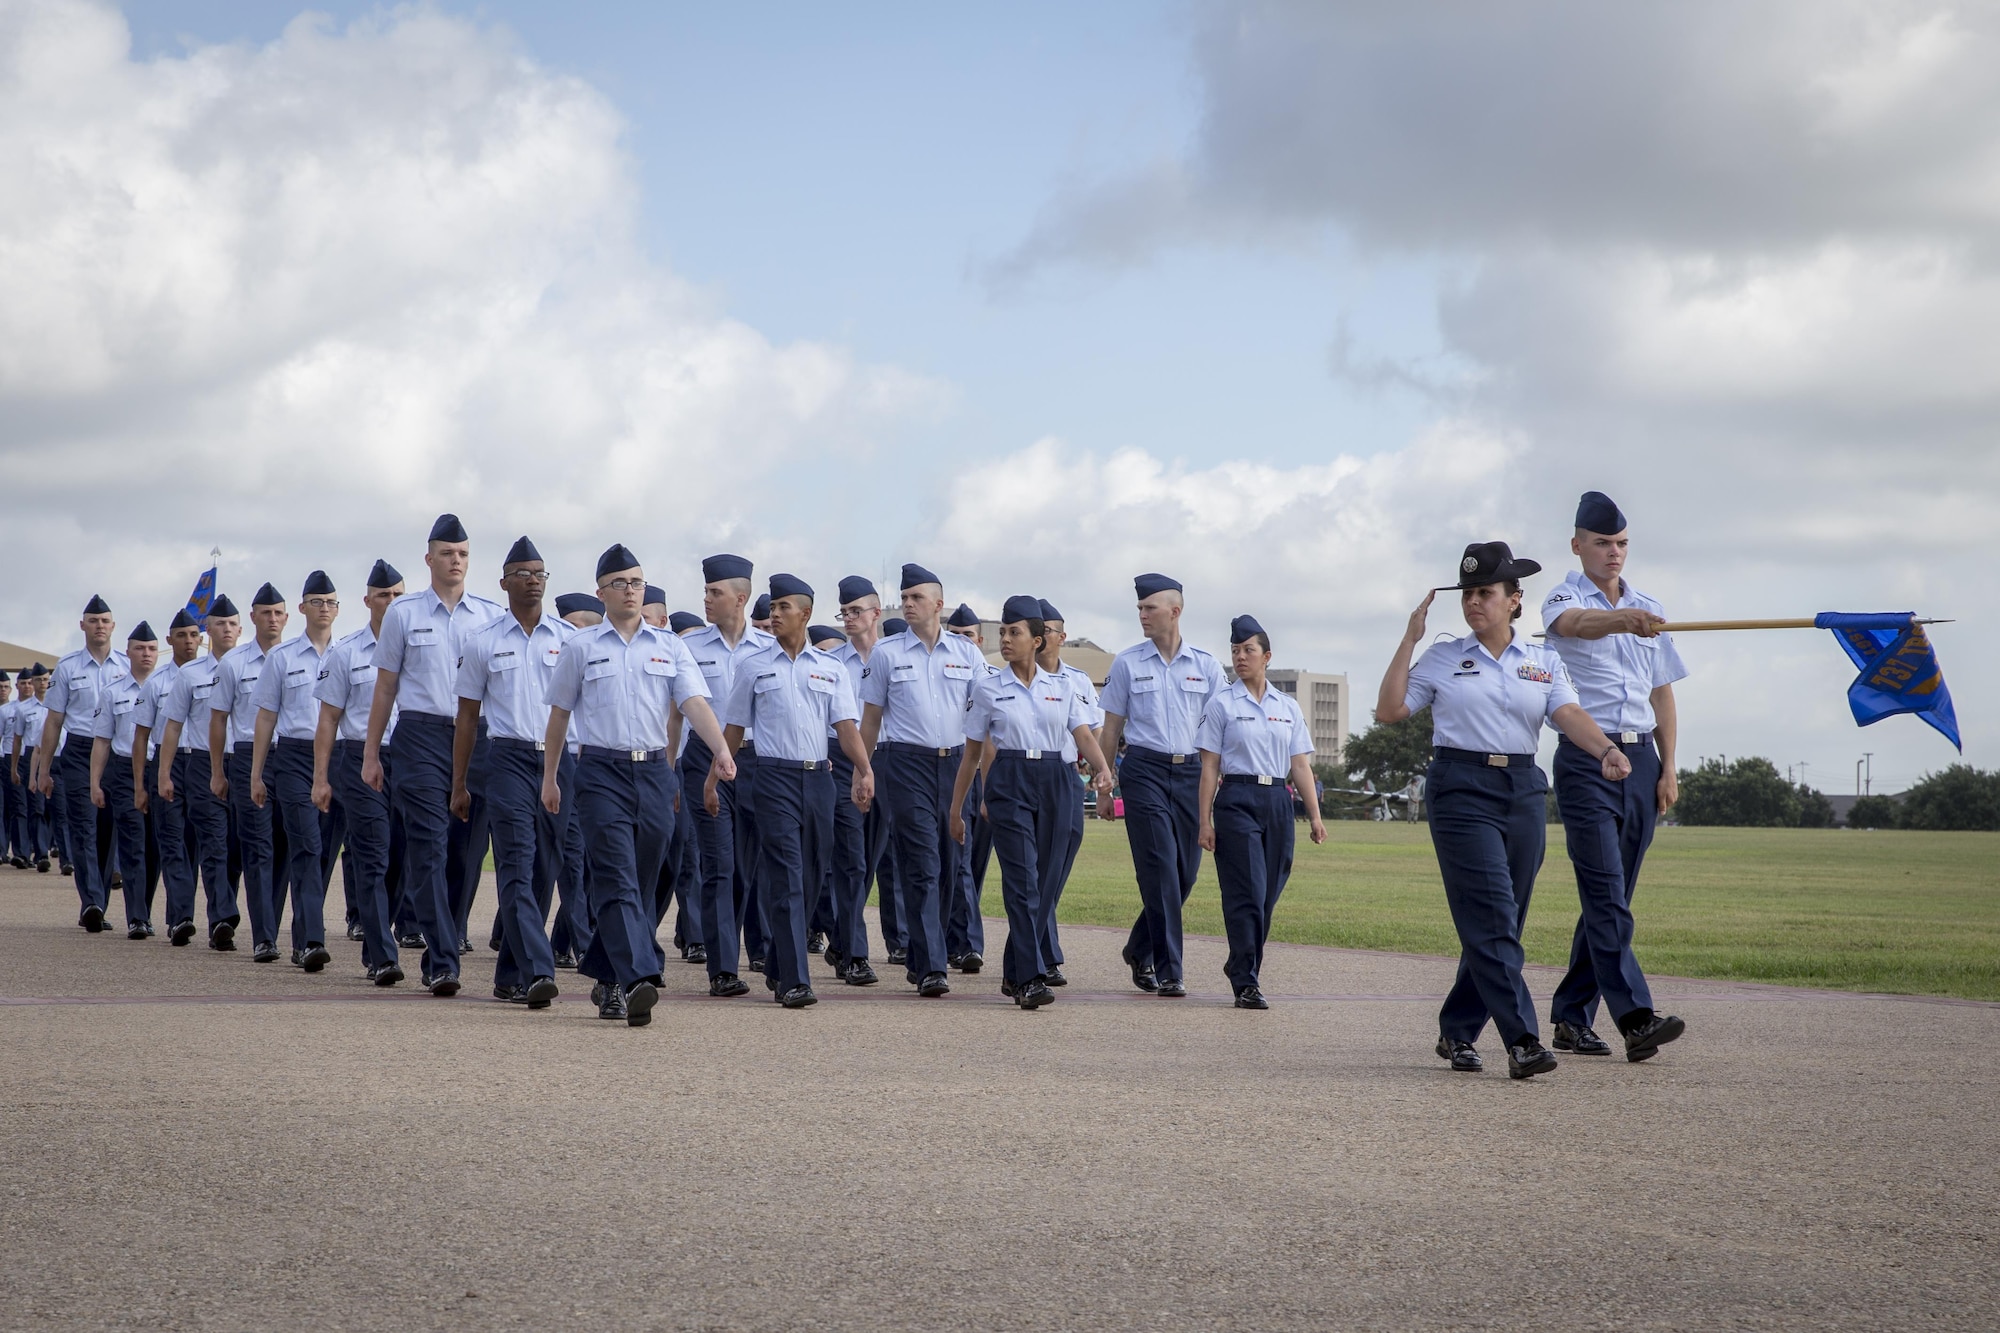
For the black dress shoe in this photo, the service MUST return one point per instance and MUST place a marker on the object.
(41, 865)
(444, 985)
(541, 992)
(511, 994)
(610, 1000)
(298, 957)
(117, 884)
(67, 869)
(137, 931)
(1034, 994)
(466, 946)
(969, 962)
(895, 957)
(816, 942)
(1579, 1040)
(316, 957)
(566, 961)
(1464, 1058)
(698, 954)
(1251, 998)
(388, 974)
(1056, 977)
(1173, 990)
(757, 963)
(267, 952)
(18, 862)
(933, 986)
(181, 934)
(1007, 988)
(727, 985)
(413, 940)
(354, 930)
(91, 918)
(1143, 976)
(222, 938)
(640, 997)
(858, 973)
(1529, 1059)
(1644, 1042)
(493, 940)
(834, 958)
(798, 997)
(597, 993)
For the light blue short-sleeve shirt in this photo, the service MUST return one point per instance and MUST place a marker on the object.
(1614, 676)
(1486, 704)
(1254, 737)
(507, 671)
(285, 688)
(422, 642)
(1039, 715)
(347, 681)
(189, 702)
(922, 691)
(791, 703)
(76, 683)
(1161, 701)
(617, 691)
(118, 713)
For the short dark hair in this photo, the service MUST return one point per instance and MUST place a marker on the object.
(1261, 639)
(1513, 589)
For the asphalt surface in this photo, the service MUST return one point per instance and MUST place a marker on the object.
(191, 1140)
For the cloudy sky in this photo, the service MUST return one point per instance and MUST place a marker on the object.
(1289, 300)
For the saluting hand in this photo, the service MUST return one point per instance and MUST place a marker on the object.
(1418, 618)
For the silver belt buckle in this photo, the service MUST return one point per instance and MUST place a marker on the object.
(541, 746)
(1263, 780)
(1031, 754)
(1496, 761)
(809, 765)
(944, 752)
(638, 756)
(1628, 738)
(1177, 759)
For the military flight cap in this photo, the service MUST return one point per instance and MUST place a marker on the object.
(785, 585)
(448, 529)
(719, 567)
(1596, 512)
(1244, 628)
(383, 575)
(916, 576)
(853, 588)
(142, 633)
(963, 617)
(1148, 584)
(615, 558)
(521, 552)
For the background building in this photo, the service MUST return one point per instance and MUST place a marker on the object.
(13, 657)
(1082, 654)
(1323, 699)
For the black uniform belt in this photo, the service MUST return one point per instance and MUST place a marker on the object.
(934, 751)
(623, 756)
(509, 743)
(1160, 756)
(1617, 738)
(791, 765)
(243, 747)
(1450, 756)
(1028, 754)
(409, 717)
(292, 740)
(1261, 779)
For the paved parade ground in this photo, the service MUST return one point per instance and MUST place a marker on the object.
(190, 1140)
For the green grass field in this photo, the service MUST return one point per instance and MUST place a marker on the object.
(1915, 913)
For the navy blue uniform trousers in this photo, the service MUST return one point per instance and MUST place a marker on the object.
(880, 829)
(915, 783)
(207, 825)
(727, 909)
(80, 817)
(366, 848)
(263, 881)
(420, 788)
(466, 842)
(32, 810)
(625, 807)
(176, 839)
(965, 927)
(1052, 943)
(857, 846)
(794, 842)
(309, 842)
(1028, 812)
(128, 825)
(527, 847)
(1608, 826)
(573, 928)
(1254, 839)
(1165, 835)
(1489, 828)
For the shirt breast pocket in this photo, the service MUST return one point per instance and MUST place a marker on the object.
(660, 667)
(200, 693)
(958, 671)
(819, 684)
(1195, 684)
(504, 662)
(903, 673)
(600, 670)
(123, 706)
(421, 636)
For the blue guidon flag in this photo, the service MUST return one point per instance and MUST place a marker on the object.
(203, 595)
(1899, 669)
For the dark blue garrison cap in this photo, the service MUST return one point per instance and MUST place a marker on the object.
(448, 529)
(577, 601)
(266, 596)
(655, 595)
(143, 633)
(384, 575)
(1049, 611)
(1243, 628)
(785, 585)
(317, 584)
(182, 620)
(719, 567)
(4, 676)
(821, 633)
(521, 552)
(680, 622)
(915, 576)
(222, 606)
(616, 558)
(853, 588)
(96, 607)
(762, 609)
(1148, 584)
(1595, 512)
(1018, 608)
(964, 617)
(895, 625)
(36, 670)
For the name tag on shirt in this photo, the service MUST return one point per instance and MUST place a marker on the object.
(123, 706)
(597, 668)
(295, 675)
(902, 673)
(421, 636)
(764, 683)
(709, 666)
(203, 691)
(506, 661)
(1145, 684)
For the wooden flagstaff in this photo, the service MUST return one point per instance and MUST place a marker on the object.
(1807, 623)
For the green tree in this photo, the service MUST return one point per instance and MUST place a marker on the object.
(1873, 812)
(1961, 797)
(1389, 754)
(1815, 811)
(1748, 793)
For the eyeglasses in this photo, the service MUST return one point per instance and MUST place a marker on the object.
(531, 575)
(321, 604)
(855, 613)
(624, 585)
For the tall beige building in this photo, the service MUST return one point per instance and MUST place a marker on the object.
(1323, 699)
